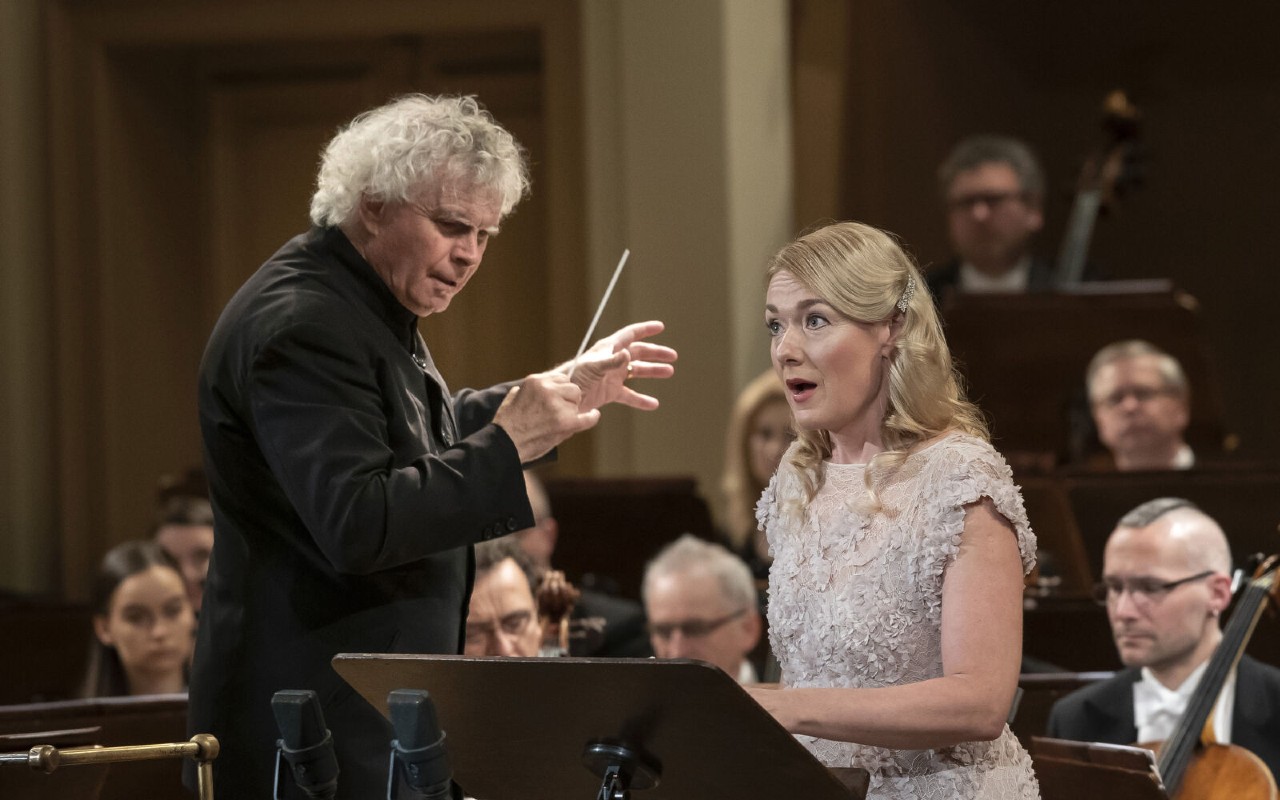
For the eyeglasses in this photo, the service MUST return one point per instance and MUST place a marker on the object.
(1145, 592)
(691, 628)
(1143, 394)
(513, 624)
(992, 200)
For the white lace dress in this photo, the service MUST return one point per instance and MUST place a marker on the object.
(855, 600)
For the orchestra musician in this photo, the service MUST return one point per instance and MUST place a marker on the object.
(1166, 582)
(184, 530)
(502, 619)
(759, 432)
(1141, 405)
(899, 539)
(701, 603)
(143, 624)
(348, 483)
(993, 188)
(601, 624)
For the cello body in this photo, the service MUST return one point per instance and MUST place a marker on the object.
(1222, 771)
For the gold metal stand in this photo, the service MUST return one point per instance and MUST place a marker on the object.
(47, 758)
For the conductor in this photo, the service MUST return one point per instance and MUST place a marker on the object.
(348, 483)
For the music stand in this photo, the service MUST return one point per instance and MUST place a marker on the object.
(520, 727)
(1242, 501)
(1098, 771)
(1024, 357)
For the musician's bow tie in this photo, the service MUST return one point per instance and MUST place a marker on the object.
(1151, 700)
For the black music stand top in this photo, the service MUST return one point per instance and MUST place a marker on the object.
(1024, 356)
(518, 727)
(1242, 501)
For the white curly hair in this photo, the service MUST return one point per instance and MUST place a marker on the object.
(391, 152)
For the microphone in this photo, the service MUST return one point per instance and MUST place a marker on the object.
(305, 744)
(419, 760)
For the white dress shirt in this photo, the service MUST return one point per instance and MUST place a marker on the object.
(1157, 709)
(974, 281)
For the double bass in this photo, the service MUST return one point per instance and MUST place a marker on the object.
(1104, 177)
(1193, 765)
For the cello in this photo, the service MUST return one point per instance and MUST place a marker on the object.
(1193, 765)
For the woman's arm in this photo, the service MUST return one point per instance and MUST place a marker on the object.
(981, 657)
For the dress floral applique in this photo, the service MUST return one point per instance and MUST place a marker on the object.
(855, 600)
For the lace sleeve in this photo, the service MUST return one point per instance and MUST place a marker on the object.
(971, 471)
(767, 511)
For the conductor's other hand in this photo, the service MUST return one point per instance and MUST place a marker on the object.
(603, 370)
(542, 412)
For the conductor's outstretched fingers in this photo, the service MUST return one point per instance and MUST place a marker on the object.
(603, 370)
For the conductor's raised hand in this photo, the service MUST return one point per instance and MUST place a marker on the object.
(541, 412)
(602, 371)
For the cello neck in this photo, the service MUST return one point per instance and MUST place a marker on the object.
(1177, 751)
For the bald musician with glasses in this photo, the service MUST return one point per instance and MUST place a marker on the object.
(1166, 583)
(701, 603)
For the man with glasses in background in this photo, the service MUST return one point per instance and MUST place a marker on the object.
(1166, 583)
(993, 188)
(502, 619)
(1141, 405)
(701, 603)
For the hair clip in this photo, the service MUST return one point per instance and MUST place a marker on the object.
(906, 294)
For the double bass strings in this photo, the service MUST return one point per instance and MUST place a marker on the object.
(591, 329)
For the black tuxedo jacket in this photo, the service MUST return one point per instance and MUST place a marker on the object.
(1103, 712)
(348, 486)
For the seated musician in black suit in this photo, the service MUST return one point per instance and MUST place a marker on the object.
(1141, 406)
(1166, 582)
(701, 602)
(502, 618)
(993, 188)
(602, 625)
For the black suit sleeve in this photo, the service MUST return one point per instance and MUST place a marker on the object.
(320, 414)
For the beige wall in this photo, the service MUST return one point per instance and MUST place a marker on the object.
(689, 156)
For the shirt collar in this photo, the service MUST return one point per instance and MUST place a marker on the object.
(1185, 458)
(975, 281)
(1153, 700)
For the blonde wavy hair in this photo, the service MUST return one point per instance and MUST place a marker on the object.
(741, 488)
(862, 272)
